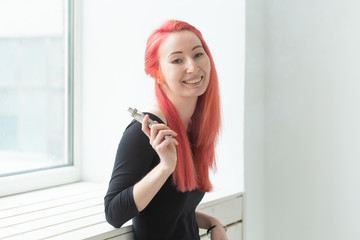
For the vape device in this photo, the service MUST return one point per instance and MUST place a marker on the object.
(139, 116)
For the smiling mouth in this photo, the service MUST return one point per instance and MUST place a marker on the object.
(192, 81)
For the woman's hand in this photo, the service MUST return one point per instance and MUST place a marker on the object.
(218, 233)
(206, 221)
(164, 146)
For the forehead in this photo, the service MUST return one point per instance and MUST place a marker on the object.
(179, 41)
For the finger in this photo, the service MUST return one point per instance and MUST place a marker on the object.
(163, 135)
(159, 126)
(163, 146)
(155, 129)
(145, 127)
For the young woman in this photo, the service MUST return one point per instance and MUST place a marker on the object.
(156, 181)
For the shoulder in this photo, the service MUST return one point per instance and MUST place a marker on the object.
(155, 113)
(134, 150)
(133, 135)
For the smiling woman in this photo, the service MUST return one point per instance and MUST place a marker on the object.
(158, 182)
(184, 66)
(113, 78)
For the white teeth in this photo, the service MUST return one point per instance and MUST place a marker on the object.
(193, 81)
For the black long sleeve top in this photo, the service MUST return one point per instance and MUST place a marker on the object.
(170, 215)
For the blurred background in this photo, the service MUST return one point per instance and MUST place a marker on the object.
(302, 114)
(289, 79)
(33, 85)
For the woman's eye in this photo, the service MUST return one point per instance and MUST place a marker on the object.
(176, 61)
(198, 55)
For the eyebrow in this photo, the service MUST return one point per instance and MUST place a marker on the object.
(177, 52)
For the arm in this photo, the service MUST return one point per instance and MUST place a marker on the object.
(134, 159)
(206, 221)
(135, 180)
(146, 189)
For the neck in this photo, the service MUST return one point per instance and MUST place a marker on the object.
(185, 108)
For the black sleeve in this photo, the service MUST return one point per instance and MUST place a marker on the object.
(134, 159)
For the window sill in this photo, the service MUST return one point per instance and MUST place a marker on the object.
(76, 211)
(34, 180)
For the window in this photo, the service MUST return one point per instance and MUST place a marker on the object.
(35, 86)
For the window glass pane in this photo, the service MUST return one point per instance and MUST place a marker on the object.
(33, 85)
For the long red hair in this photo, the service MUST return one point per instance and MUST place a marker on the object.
(196, 151)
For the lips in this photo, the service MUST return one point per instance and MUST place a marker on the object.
(193, 80)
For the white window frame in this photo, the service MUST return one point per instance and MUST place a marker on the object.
(30, 181)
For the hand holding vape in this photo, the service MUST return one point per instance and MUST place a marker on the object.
(139, 116)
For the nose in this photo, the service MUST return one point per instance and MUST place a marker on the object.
(191, 66)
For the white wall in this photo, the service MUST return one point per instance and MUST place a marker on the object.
(254, 122)
(113, 37)
(311, 161)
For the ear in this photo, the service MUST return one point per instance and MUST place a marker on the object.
(159, 78)
(164, 87)
(159, 81)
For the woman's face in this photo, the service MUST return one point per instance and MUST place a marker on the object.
(184, 65)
